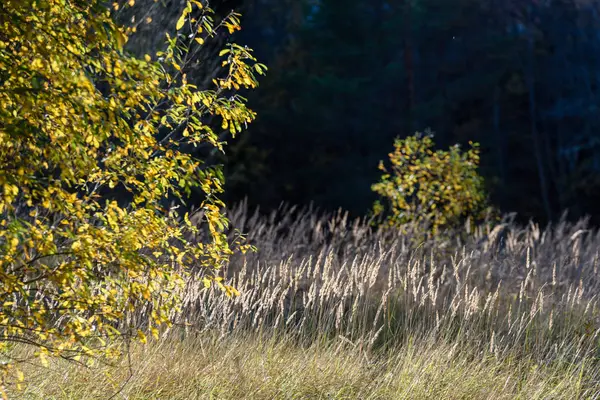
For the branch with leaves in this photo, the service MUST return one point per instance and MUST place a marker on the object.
(80, 117)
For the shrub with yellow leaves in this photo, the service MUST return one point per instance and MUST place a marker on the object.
(436, 188)
(81, 117)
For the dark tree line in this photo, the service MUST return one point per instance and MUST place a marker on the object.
(348, 76)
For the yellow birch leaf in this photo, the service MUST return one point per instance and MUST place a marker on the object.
(181, 19)
(142, 337)
(154, 332)
(44, 359)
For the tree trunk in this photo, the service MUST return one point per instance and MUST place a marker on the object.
(409, 63)
(500, 139)
(537, 145)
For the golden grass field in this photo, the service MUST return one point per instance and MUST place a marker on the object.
(333, 309)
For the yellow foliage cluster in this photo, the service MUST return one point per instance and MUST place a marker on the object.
(424, 185)
(79, 118)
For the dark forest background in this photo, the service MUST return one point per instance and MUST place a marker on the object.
(346, 77)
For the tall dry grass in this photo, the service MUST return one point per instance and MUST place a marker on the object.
(506, 300)
(245, 367)
(506, 289)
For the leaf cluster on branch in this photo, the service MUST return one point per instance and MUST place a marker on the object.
(81, 118)
(425, 185)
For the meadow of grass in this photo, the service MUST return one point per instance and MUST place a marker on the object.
(333, 308)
